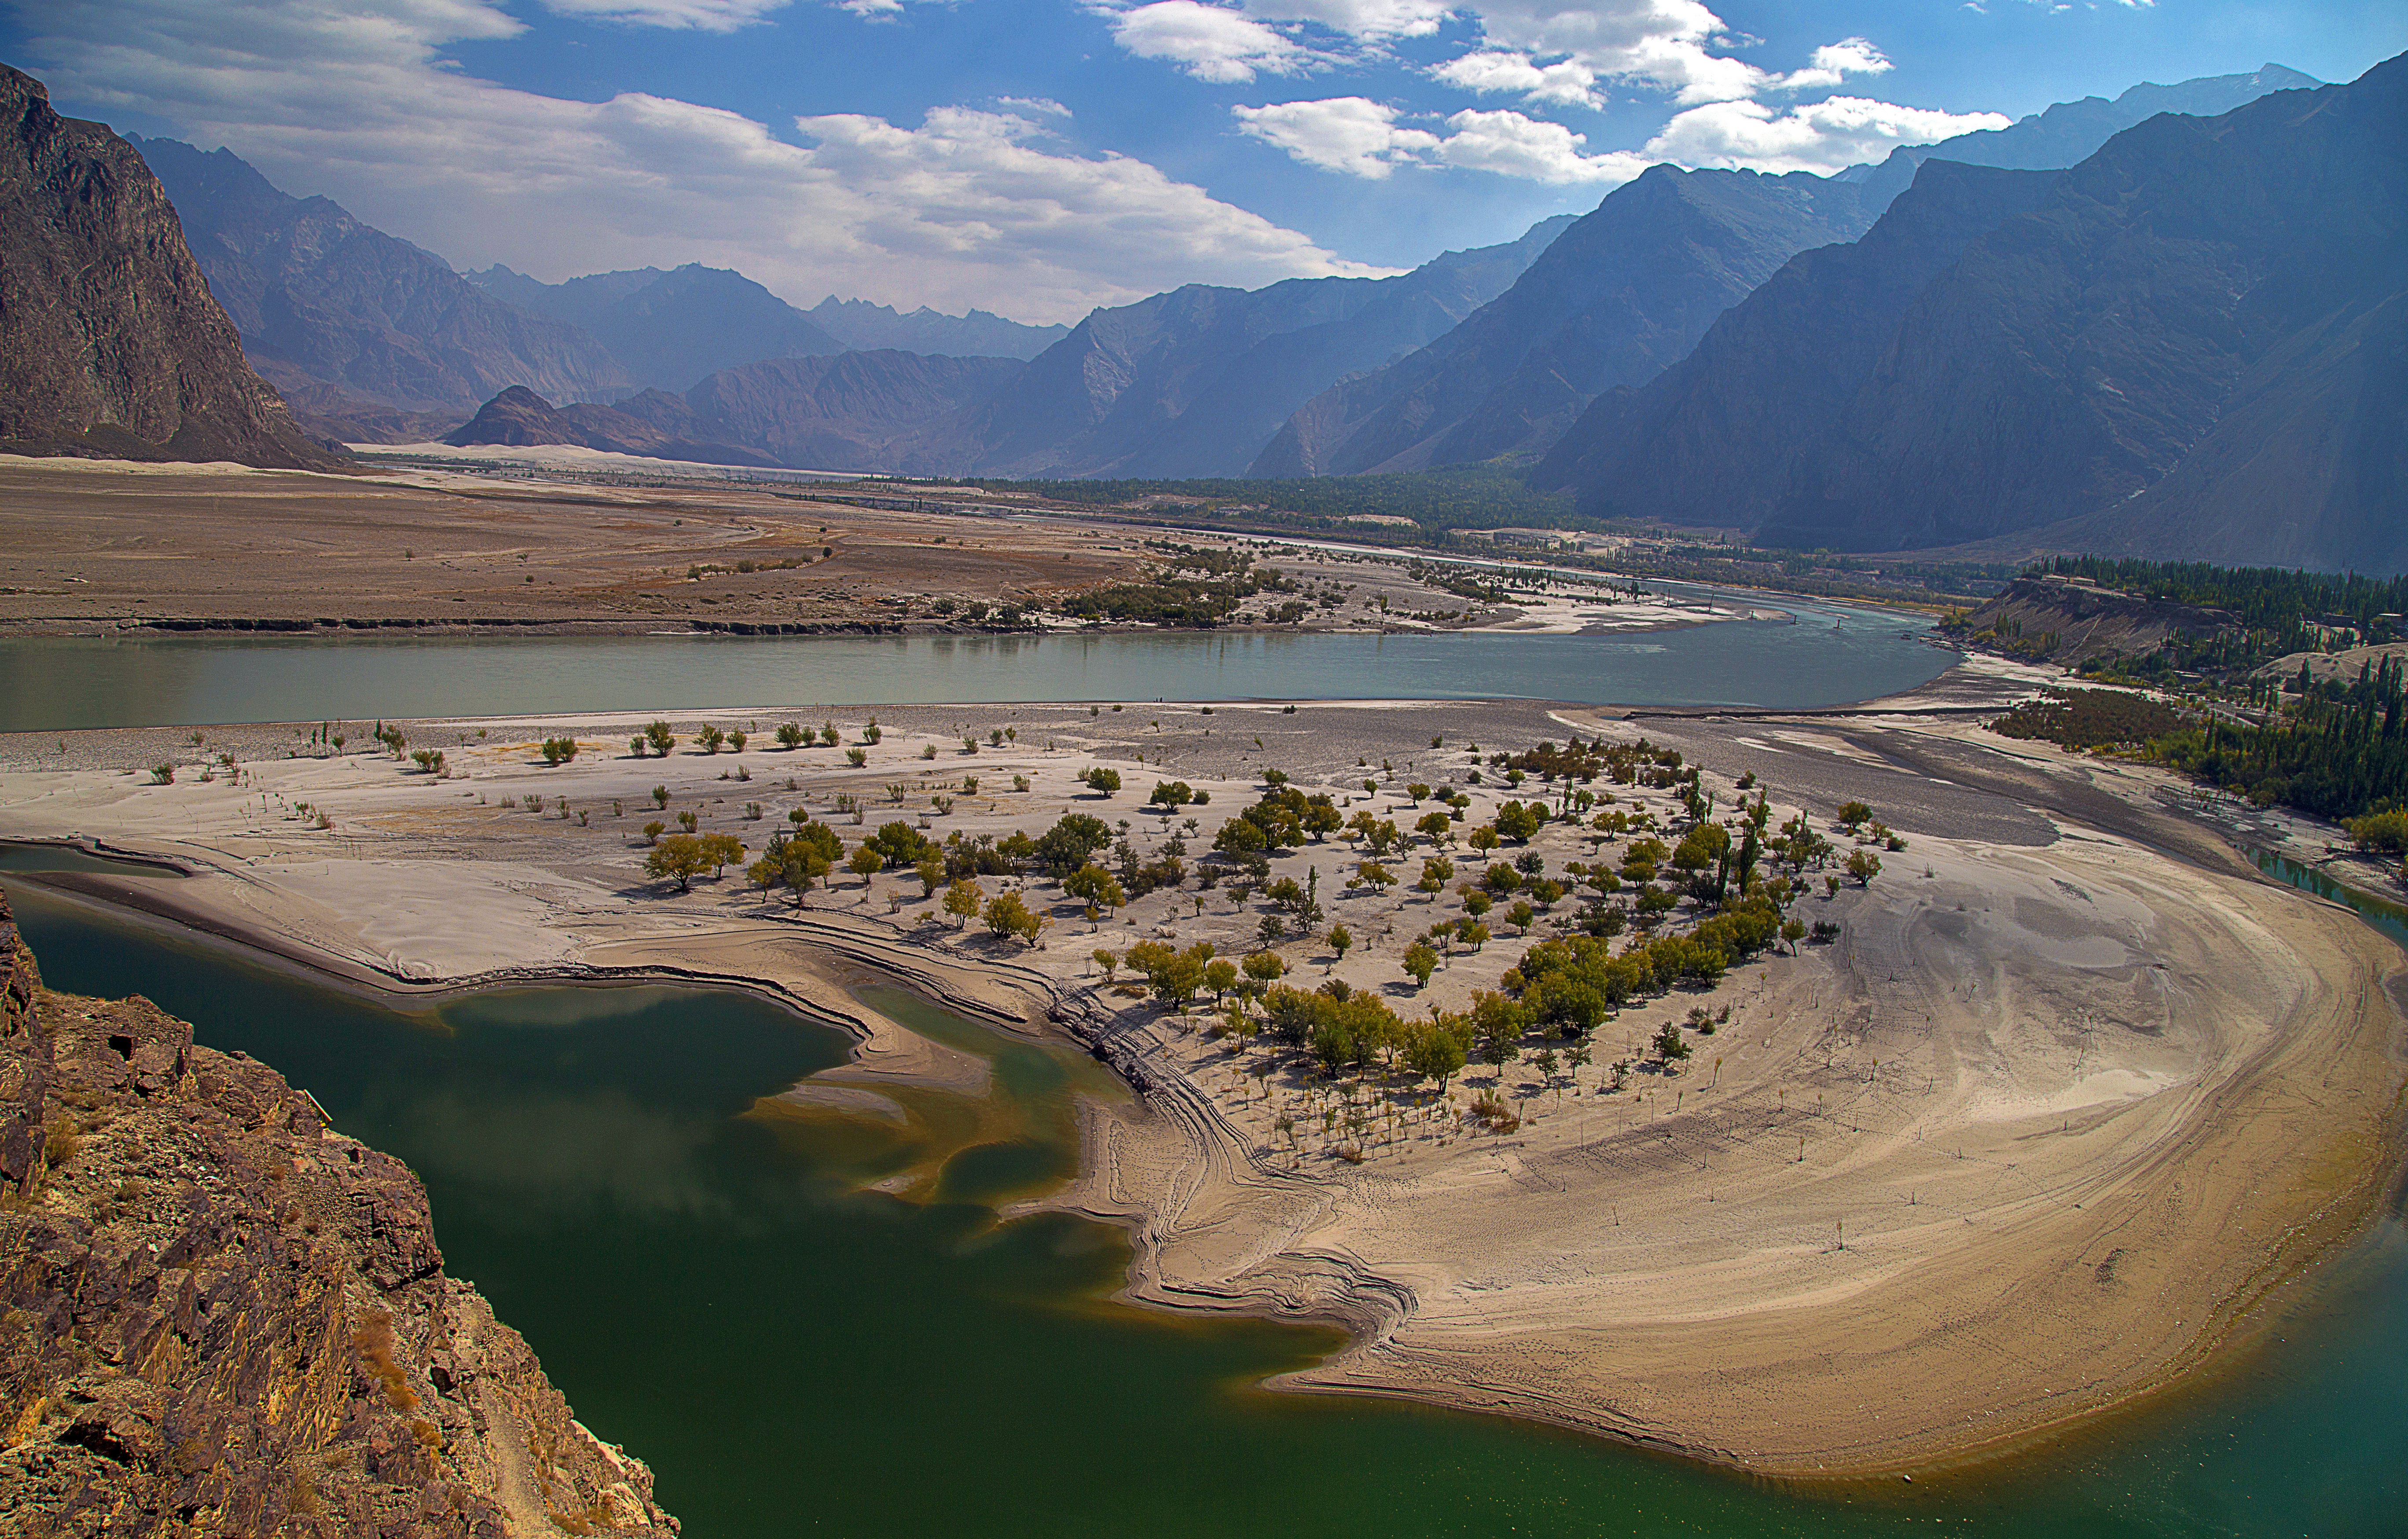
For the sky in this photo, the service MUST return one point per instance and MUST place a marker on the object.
(1037, 158)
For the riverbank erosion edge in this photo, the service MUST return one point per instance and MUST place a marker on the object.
(1853, 1243)
(219, 1315)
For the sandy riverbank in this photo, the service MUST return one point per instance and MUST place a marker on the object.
(2065, 1097)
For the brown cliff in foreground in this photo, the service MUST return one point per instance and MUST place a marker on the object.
(111, 342)
(217, 1317)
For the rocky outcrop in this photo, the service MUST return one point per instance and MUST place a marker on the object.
(111, 342)
(2071, 621)
(220, 1317)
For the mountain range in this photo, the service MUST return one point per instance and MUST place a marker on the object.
(2108, 327)
(2193, 343)
(1633, 286)
(111, 342)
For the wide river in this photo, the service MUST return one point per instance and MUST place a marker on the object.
(709, 1283)
(1815, 655)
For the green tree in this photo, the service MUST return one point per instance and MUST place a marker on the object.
(677, 856)
(1097, 885)
(1339, 940)
(1379, 878)
(1670, 1049)
(657, 733)
(963, 899)
(1433, 1052)
(1006, 915)
(1420, 962)
(1170, 795)
(1852, 814)
(1104, 782)
(724, 850)
(559, 750)
(865, 862)
(1266, 968)
(1220, 975)
(790, 736)
(1864, 866)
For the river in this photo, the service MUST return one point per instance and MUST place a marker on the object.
(707, 1282)
(1818, 655)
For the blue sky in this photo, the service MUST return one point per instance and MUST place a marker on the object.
(1038, 157)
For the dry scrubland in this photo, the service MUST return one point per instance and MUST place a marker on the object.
(88, 545)
(2027, 1136)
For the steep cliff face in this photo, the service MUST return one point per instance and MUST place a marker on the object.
(218, 1318)
(111, 343)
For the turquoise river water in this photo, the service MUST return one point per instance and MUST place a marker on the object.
(707, 1280)
(1818, 655)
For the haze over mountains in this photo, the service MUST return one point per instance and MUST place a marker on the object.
(2194, 342)
(1634, 285)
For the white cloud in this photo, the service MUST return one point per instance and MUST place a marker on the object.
(1827, 137)
(968, 207)
(1491, 72)
(1345, 133)
(1507, 144)
(1210, 42)
(1358, 19)
(1358, 137)
(1664, 44)
(690, 15)
(1833, 63)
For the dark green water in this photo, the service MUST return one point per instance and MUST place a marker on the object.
(797, 1357)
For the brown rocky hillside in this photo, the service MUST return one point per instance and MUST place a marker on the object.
(220, 1317)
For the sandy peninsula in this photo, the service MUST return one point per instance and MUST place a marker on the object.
(2069, 1091)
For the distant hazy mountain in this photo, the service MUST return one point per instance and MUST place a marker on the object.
(110, 341)
(1627, 289)
(882, 410)
(652, 423)
(868, 411)
(1634, 286)
(866, 327)
(1712, 439)
(322, 298)
(668, 329)
(1196, 381)
(2072, 132)
(2195, 346)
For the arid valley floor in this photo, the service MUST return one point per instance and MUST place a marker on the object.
(2070, 1092)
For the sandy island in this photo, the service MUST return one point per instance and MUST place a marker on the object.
(2071, 1091)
